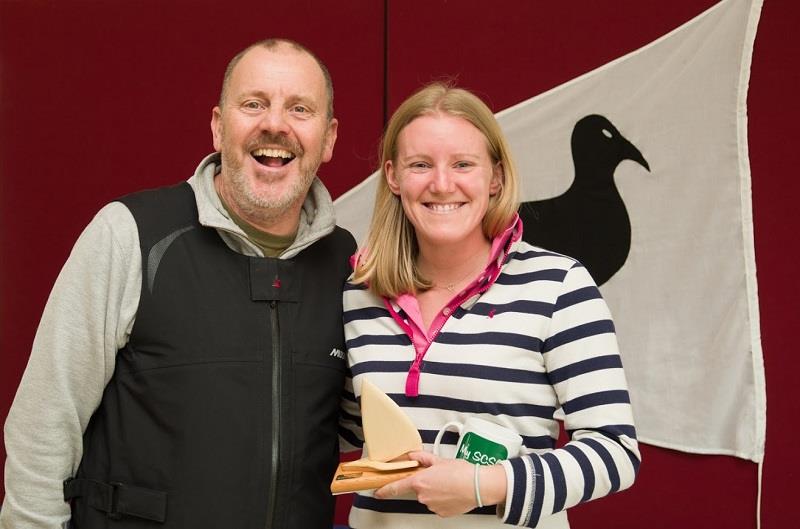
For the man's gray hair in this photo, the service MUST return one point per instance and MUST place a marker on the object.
(271, 44)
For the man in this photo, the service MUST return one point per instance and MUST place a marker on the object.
(187, 369)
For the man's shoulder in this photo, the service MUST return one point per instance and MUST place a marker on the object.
(338, 241)
(331, 252)
(344, 238)
(162, 210)
(159, 195)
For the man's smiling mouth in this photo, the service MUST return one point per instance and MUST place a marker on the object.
(272, 157)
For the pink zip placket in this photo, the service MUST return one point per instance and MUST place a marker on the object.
(413, 326)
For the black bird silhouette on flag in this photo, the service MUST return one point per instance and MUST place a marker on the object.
(589, 221)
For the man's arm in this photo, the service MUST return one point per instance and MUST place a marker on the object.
(88, 317)
(351, 434)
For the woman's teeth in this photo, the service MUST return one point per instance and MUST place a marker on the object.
(443, 208)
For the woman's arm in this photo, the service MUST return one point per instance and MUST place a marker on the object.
(447, 486)
(583, 363)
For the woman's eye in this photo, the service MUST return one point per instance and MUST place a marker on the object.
(462, 165)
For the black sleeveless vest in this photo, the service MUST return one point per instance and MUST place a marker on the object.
(222, 410)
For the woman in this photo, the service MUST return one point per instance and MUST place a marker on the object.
(453, 315)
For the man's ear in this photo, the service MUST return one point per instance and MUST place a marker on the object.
(329, 140)
(216, 128)
(498, 177)
(391, 177)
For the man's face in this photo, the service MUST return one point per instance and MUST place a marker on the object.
(273, 133)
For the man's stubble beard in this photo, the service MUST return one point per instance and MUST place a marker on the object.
(268, 209)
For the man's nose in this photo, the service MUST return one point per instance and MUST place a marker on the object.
(274, 120)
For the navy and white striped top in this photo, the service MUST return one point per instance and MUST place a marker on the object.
(539, 339)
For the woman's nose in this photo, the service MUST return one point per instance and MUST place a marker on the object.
(442, 181)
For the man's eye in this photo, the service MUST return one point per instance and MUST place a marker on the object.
(253, 105)
(300, 109)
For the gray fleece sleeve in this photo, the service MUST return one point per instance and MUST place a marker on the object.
(88, 317)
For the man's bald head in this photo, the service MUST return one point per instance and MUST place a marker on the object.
(273, 44)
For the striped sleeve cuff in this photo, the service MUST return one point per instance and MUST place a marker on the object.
(524, 491)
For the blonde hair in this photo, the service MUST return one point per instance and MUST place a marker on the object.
(388, 261)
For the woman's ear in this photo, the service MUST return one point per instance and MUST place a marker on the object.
(391, 177)
(498, 177)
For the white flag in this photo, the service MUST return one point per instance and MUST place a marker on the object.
(666, 128)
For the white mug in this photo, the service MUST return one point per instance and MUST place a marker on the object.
(482, 442)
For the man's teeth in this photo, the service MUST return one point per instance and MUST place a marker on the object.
(443, 208)
(272, 153)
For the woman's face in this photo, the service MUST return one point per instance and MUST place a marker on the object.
(444, 177)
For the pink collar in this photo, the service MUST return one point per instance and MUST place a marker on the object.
(411, 319)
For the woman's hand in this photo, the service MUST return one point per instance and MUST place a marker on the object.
(446, 486)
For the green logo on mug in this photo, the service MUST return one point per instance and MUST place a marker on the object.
(479, 451)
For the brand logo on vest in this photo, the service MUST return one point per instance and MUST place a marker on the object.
(336, 353)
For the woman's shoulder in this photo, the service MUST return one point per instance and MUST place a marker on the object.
(527, 256)
(358, 296)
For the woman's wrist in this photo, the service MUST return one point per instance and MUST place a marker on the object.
(492, 482)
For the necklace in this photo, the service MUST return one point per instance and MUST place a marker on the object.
(451, 286)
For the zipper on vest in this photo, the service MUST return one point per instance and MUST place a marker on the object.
(276, 416)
